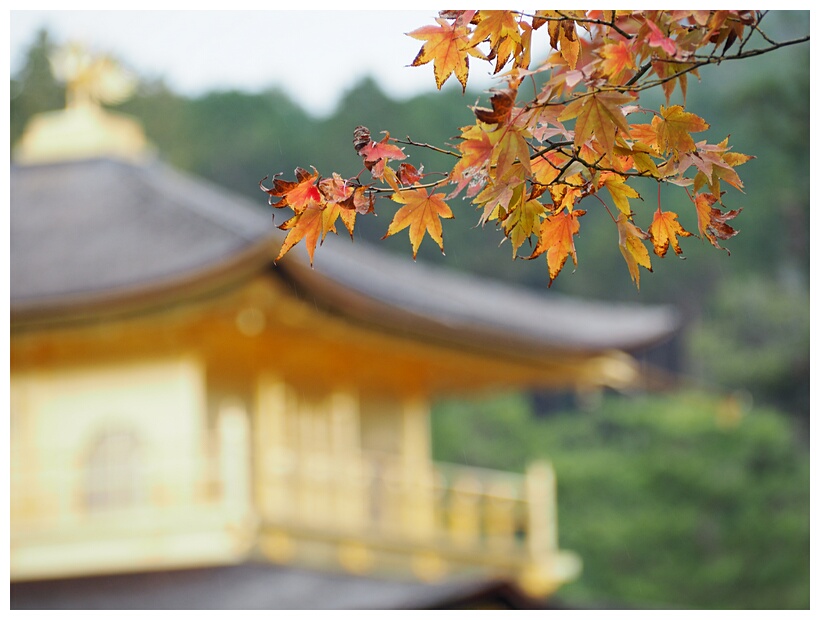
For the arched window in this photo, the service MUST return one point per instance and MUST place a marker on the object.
(112, 471)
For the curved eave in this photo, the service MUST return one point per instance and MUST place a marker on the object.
(432, 305)
(375, 314)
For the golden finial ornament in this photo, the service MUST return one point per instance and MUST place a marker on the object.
(84, 129)
(91, 78)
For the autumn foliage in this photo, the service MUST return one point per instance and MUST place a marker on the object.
(561, 128)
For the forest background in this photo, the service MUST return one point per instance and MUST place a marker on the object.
(693, 498)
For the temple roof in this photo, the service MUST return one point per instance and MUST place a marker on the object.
(87, 233)
(260, 586)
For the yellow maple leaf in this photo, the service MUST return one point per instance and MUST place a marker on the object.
(501, 28)
(522, 221)
(619, 190)
(332, 212)
(630, 242)
(501, 196)
(598, 115)
(673, 127)
(564, 37)
(666, 229)
(476, 153)
(421, 213)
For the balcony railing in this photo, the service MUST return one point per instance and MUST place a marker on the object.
(461, 519)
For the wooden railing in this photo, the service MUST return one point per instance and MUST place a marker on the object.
(432, 518)
(470, 517)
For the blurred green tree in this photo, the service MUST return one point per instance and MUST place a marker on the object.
(681, 501)
(33, 89)
(753, 335)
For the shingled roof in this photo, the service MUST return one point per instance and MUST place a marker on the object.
(90, 233)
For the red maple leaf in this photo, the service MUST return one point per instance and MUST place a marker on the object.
(658, 39)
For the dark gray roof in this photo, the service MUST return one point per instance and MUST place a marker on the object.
(438, 300)
(101, 229)
(249, 586)
(101, 226)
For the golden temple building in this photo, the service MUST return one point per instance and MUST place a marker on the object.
(180, 406)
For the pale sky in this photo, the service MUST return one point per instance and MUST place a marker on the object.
(314, 55)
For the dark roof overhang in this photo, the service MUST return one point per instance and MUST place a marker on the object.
(100, 238)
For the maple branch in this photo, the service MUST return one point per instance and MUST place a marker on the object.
(703, 61)
(756, 28)
(385, 190)
(552, 147)
(583, 20)
(639, 74)
(646, 174)
(751, 53)
(409, 141)
(563, 169)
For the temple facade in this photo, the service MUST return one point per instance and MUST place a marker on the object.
(177, 400)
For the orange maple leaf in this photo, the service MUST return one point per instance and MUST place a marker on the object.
(669, 73)
(630, 242)
(715, 163)
(335, 188)
(712, 222)
(447, 46)
(361, 202)
(616, 58)
(307, 225)
(666, 229)
(294, 194)
(565, 195)
(555, 237)
(421, 212)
